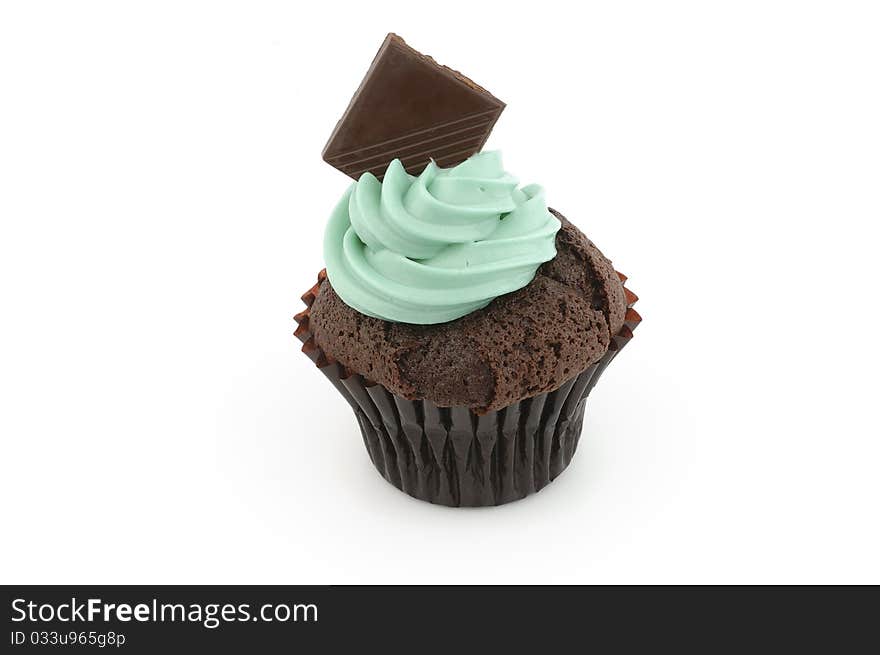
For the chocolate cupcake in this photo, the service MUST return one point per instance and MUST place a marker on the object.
(463, 320)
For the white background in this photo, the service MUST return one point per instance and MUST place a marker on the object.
(162, 199)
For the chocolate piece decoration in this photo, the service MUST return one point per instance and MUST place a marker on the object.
(409, 107)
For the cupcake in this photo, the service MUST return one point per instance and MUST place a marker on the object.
(463, 320)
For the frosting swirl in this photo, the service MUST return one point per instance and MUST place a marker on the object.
(432, 248)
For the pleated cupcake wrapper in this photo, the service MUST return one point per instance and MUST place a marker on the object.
(453, 456)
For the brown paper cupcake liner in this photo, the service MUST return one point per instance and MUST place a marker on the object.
(453, 456)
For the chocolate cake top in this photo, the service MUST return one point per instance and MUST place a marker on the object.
(520, 345)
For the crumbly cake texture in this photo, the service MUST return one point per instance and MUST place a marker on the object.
(522, 344)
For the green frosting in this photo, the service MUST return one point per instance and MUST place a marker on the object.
(433, 248)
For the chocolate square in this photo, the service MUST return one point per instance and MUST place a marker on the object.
(410, 107)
